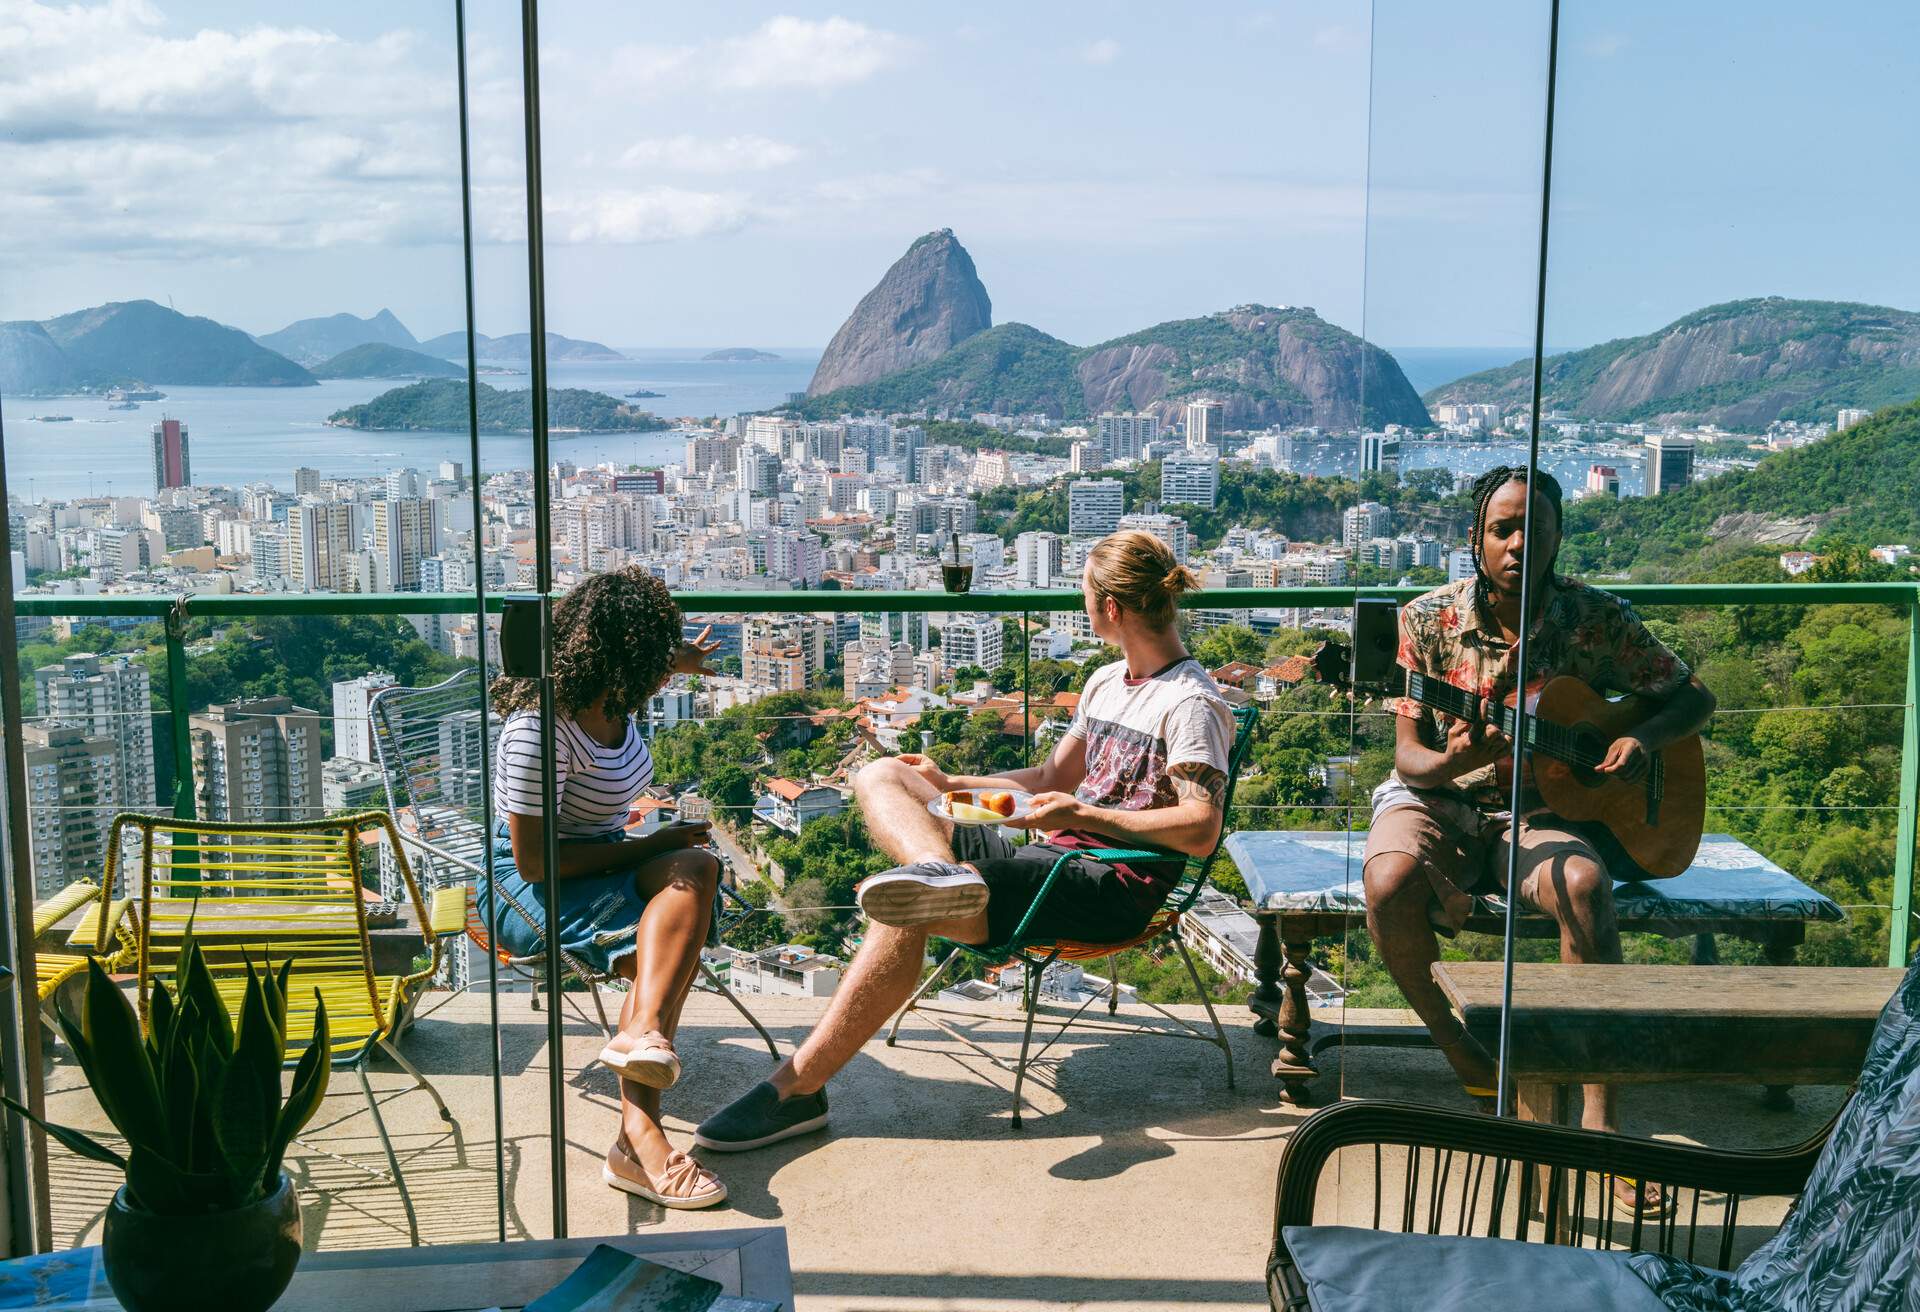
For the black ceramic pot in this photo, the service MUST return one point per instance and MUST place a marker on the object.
(238, 1261)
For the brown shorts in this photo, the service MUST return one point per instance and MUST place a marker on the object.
(1464, 853)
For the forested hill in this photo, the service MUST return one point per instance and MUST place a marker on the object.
(1740, 365)
(1862, 484)
(440, 405)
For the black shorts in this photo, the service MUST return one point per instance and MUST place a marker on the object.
(1091, 901)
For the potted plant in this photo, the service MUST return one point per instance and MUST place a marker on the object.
(206, 1219)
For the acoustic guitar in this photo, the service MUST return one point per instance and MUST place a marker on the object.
(1655, 821)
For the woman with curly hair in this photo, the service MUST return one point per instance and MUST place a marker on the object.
(617, 638)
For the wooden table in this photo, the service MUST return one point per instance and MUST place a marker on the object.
(1651, 1024)
(750, 1263)
(1306, 885)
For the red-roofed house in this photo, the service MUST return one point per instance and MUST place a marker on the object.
(787, 804)
(1276, 679)
(1235, 674)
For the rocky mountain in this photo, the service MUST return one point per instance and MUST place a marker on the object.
(311, 341)
(516, 348)
(31, 362)
(379, 360)
(138, 340)
(1740, 365)
(929, 302)
(1268, 366)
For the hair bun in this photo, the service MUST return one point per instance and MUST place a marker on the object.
(1179, 579)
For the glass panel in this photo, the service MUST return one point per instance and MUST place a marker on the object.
(1452, 245)
(226, 382)
(1734, 414)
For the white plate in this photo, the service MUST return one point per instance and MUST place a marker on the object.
(1022, 806)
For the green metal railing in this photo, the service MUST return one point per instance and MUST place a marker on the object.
(176, 611)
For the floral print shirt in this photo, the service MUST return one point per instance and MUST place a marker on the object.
(1578, 630)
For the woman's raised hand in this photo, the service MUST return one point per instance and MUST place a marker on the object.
(691, 658)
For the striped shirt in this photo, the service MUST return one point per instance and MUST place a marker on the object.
(594, 785)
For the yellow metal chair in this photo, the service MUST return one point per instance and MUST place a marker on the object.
(285, 892)
(52, 969)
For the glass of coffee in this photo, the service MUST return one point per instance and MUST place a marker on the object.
(956, 566)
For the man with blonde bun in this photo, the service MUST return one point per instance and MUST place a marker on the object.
(1143, 765)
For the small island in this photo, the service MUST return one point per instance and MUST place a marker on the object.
(441, 406)
(641, 394)
(739, 355)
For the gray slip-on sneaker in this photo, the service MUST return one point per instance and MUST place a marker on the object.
(760, 1116)
(922, 893)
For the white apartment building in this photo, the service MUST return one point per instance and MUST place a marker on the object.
(72, 779)
(1126, 436)
(1094, 506)
(1206, 423)
(257, 760)
(787, 971)
(406, 530)
(1170, 529)
(320, 538)
(1364, 522)
(1848, 417)
(972, 640)
(1192, 480)
(352, 717)
(1380, 454)
(106, 697)
(1037, 560)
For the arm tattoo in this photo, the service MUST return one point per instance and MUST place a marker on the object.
(1198, 781)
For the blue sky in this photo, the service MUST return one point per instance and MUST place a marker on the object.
(739, 174)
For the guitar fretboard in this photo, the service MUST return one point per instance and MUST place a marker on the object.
(1543, 736)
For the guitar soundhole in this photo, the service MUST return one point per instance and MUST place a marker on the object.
(1589, 746)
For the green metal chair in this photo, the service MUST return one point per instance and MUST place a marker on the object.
(1036, 955)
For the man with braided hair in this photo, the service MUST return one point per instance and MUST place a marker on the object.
(1441, 822)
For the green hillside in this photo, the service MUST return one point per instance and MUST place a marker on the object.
(1009, 368)
(379, 360)
(1863, 483)
(1742, 365)
(440, 405)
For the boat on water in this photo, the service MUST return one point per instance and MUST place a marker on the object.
(123, 405)
(133, 392)
(54, 419)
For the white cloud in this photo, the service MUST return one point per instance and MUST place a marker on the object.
(690, 154)
(1103, 51)
(798, 52)
(655, 214)
(1604, 45)
(783, 53)
(121, 138)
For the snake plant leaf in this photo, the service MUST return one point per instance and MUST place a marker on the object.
(180, 1086)
(73, 1140)
(159, 1186)
(160, 1010)
(122, 1075)
(276, 990)
(259, 1045)
(303, 1100)
(240, 1129)
(196, 982)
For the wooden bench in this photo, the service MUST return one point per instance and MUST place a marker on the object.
(1305, 884)
(1598, 1024)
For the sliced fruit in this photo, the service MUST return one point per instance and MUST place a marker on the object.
(976, 814)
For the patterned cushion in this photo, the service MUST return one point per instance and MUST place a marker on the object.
(1319, 870)
(1849, 1244)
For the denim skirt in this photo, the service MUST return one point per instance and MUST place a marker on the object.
(597, 913)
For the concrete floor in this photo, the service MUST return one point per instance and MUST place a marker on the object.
(1140, 1183)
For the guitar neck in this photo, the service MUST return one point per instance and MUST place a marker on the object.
(1543, 737)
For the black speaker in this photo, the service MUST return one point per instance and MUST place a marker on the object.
(520, 637)
(1376, 641)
